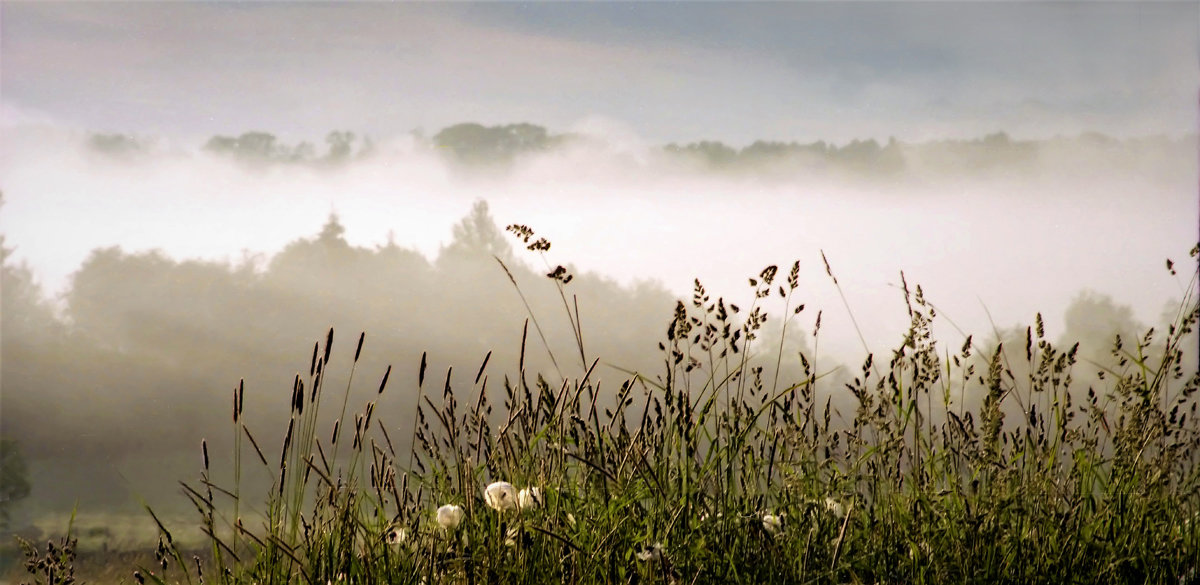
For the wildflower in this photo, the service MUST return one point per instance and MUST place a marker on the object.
(530, 497)
(835, 507)
(571, 519)
(1191, 576)
(917, 551)
(449, 516)
(397, 535)
(510, 536)
(773, 524)
(500, 496)
(652, 553)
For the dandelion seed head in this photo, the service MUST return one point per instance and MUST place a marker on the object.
(397, 536)
(501, 496)
(651, 554)
(773, 524)
(449, 516)
(835, 507)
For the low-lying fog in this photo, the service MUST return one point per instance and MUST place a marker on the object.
(991, 237)
(1014, 239)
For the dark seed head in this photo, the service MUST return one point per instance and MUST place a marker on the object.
(328, 345)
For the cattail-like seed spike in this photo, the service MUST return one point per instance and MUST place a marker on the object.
(336, 424)
(482, 366)
(358, 350)
(255, 444)
(328, 345)
(295, 389)
(287, 442)
(204, 447)
(312, 369)
(383, 382)
(421, 373)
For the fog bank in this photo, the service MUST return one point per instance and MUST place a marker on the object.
(982, 235)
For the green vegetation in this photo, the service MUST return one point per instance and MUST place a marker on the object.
(262, 148)
(738, 454)
(14, 478)
(957, 465)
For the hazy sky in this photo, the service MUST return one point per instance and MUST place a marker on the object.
(672, 71)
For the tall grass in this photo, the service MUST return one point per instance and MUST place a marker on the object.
(965, 465)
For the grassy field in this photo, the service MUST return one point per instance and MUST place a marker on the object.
(962, 464)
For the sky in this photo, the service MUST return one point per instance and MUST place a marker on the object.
(637, 75)
(675, 72)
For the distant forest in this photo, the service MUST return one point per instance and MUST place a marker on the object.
(475, 146)
(139, 360)
(141, 356)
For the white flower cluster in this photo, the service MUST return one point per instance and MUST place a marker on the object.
(502, 496)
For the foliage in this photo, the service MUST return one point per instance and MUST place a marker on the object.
(477, 144)
(54, 567)
(711, 472)
(124, 370)
(14, 479)
(258, 148)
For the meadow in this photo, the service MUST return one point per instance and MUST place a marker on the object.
(966, 463)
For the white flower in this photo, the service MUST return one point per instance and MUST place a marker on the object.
(500, 496)
(510, 536)
(397, 536)
(772, 524)
(530, 497)
(571, 519)
(835, 507)
(449, 516)
(653, 553)
(914, 549)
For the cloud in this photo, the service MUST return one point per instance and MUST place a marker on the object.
(676, 72)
